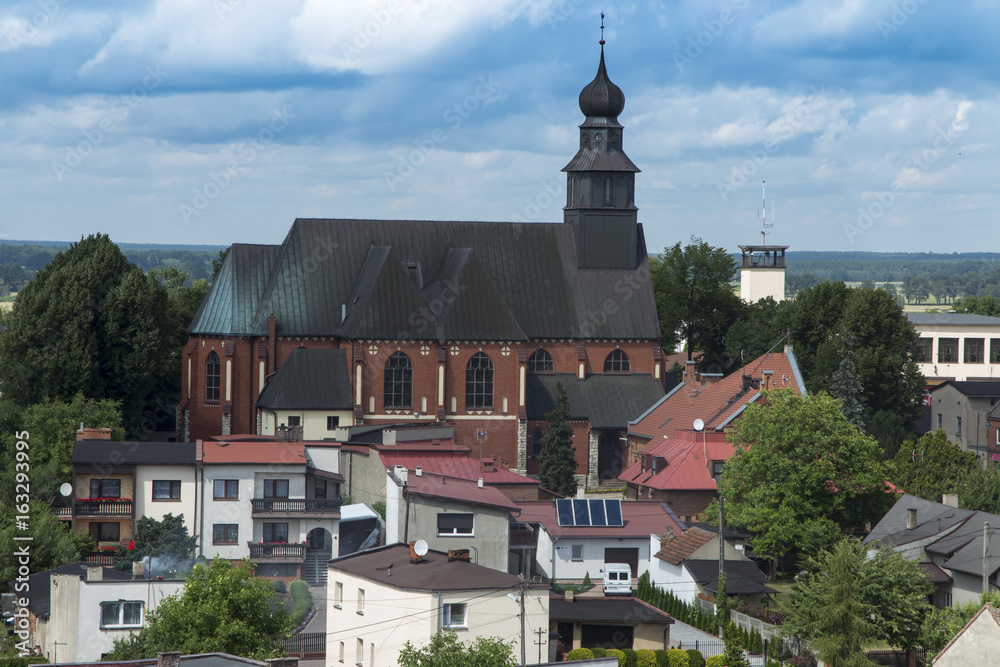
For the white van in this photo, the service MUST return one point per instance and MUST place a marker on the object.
(617, 579)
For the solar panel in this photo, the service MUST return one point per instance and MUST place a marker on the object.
(581, 513)
(597, 516)
(614, 510)
(564, 508)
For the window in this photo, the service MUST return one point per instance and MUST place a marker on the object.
(609, 191)
(295, 421)
(105, 531)
(454, 615)
(974, 350)
(717, 471)
(121, 614)
(455, 524)
(227, 489)
(925, 350)
(361, 601)
(939, 422)
(479, 382)
(338, 595)
(371, 654)
(540, 361)
(342, 651)
(213, 377)
(332, 422)
(536, 443)
(276, 532)
(225, 533)
(617, 362)
(995, 350)
(947, 350)
(275, 488)
(576, 552)
(361, 652)
(398, 382)
(166, 489)
(319, 488)
(958, 426)
(105, 488)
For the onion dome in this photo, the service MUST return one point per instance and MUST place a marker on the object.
(600, 97)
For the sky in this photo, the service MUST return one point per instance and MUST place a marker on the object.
(221, 121)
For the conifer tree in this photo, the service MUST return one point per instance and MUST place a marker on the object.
(845, 385)
(557, 462)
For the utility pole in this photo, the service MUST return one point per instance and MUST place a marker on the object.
(722, 560)
(540, 642)
(522, 585)
(986, 546)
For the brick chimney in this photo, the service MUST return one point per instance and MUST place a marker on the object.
(95, 573)
(168, 659)
(950, 499)
(93, 433)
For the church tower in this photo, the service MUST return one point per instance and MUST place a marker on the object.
(600, 182)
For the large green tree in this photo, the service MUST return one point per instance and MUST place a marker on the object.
(980, 490)
(695, 301)
(933, 466)
(444, 650)
(941, 625)
(223, 608)
(52, 542)
(166, 539)
(801, 474)
(557, 461)
(90, 322)
(757, 331)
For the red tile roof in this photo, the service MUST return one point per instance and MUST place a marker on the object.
(642, 518)
(675, 549)
(290, 453)
(459, 467)
(689, 455)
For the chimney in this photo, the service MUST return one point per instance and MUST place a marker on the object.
(569, 595)
(419, 470)
(689, 372)
(911, 518)
(93, 433)
(168, 659)
(668, 533)
(95, 573)
(459, 554)
(579, 492)
(138, 569)
(950, 499)
(480, 482)
(414, 556)
(768, 381)
(401, 472)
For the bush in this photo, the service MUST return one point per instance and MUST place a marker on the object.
(662, 660)
(695, 658)
(615, 653)
(580, 654)
(586, 579)
(302, 601)
(278, 586)
(645, 657)
(631, 659)
(716, 661)
(599, 652)
(678, 658)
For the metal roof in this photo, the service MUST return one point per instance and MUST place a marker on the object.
(960, 319)
(310, 380)
(237, 290)
(39, 589)
(623, 610)
(743, 577)
(114, 452)
(608, 401)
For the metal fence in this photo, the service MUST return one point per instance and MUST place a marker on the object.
(306, 646)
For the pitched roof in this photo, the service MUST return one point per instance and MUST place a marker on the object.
(642, 518)
(688, 455)
(613, 610)
(390, 565)
(449, 465)
(985, 650)
(743, 577)
(453, 489)
(310, 380)
(425, 280)
(104, 453)
(283, 453)
(39, 589)
(608, 401)
(960, 319)
(675, 549)
(971, 388)
(718, 403)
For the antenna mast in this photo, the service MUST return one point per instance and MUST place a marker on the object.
(763, 215)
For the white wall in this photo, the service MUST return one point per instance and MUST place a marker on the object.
(593, 556)
(960, 370)
(228, 511)
(156, 509)
(324, 458)
(977, 645)
(313, 421)
(756, 284)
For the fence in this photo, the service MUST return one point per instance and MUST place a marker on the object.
(899, 658)
(307, 646)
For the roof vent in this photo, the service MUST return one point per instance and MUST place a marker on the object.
(419, 471)
(480, 482)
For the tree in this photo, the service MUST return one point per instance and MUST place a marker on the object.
(557, 460)
(93, 323)
(845, 386)
(941, 625)
(933, 466)
(694, 298)
(801, 474)
(980, 490)
(223, 608)
(52, 542)
(987, 305)
(218, 262)
(444, 650)
(756, 332)
(167, 540)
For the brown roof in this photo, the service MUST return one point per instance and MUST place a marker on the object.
(934, 573)
(287, 453)
(458, 490)
(688, 455)
(449, 465)
(642, 518)
(675, 549)
(623, 610)
(390, 565)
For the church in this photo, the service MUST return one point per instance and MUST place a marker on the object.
(351, 322)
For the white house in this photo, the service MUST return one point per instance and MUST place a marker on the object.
(380, 599)
(977, 643)
(957, 346)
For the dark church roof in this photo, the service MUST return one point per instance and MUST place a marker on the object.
(608, 401)
(427, 280)
(310, 380)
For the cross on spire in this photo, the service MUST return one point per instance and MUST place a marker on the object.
(602, 29)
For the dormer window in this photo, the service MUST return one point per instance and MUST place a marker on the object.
(717, 471)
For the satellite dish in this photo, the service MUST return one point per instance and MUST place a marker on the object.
(698, 424)
(420, 548)
(66, 488)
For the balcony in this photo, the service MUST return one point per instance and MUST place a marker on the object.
(285, 508)
(104, 507)
(62, 512)
(278, 553)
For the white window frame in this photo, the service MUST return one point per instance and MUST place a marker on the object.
(361, 601)
(120, 604)
(453, 621)
(360, 657)
(338, 595)
(342, 650)
(455, 531)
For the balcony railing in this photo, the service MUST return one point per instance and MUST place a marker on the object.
(521, 536)
(278, 552)
(285, 507)
(103, 508)
(62, 512)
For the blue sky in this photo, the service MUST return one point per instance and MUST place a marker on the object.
(219, 121)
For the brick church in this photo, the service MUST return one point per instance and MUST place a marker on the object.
(473, 323)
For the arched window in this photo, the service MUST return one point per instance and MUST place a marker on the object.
(609, 191)
(540, 361)
(617, 362)
(536, 443)
(398, 382)
(479, 382)
(213, 377)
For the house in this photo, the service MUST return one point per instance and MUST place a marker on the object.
(311, 391)
(380, 599)
(277, 503)
(437, 319)
(977, 643)
(175, 659)
(605, 622)
(688, 565)
(572, 538)
(77, 611)
(957, 346)
(962, 411)
(946, 541)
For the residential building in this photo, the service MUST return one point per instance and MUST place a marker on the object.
(380, 599)
(957, 346)
(311, 390)
(571, 538)
(175, 659)
(605, 622)
(440, 319)
(962, 411)
(976, 643)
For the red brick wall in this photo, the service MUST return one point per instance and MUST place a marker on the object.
(683, 503)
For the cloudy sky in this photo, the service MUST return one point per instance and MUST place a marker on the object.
(218, 121)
